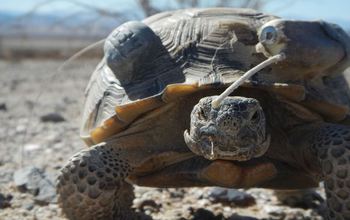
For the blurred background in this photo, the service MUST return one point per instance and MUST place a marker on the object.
(40, 106)
(58, 28)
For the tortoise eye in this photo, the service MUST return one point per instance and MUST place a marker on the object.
(201, 114)
(268, 35)
(255, 117)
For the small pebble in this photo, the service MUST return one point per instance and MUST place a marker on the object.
(5, 200)
(52, 117)
(28, 206)
(3, 107)
(147, 205)
(31, 147)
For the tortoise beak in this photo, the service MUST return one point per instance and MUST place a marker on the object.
(191, 143)
(195, 147)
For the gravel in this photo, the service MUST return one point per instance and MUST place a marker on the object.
(231, 196)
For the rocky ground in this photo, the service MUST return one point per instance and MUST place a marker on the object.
(39, 117)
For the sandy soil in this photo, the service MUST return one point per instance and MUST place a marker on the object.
(32, 88)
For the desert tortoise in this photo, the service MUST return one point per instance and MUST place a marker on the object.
(159, 77)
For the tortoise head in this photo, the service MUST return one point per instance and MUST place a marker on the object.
(311, 47)
(236, 130)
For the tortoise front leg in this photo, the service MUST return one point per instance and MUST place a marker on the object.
(92, 185)
(331, 144)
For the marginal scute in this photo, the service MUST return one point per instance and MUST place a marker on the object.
(129, 112)
(331, 111)
(293, 92)
(124, 115)
(300, 111)
(173, 92)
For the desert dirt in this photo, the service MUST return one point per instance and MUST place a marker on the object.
(31, 89)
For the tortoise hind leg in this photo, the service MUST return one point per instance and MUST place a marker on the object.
(332, 147)
(92, 186)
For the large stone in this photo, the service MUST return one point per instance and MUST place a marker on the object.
(231, 196)
(34, 180)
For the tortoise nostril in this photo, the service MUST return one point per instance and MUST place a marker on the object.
(201, 114)
(208, 131)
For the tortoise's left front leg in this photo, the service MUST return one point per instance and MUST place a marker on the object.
(331, 145)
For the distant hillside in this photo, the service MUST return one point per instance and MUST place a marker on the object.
(38, 25)
(51, 36)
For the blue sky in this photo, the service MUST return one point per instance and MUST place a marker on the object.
(331, 10)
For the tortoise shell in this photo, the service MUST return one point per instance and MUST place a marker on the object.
(172, 54)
